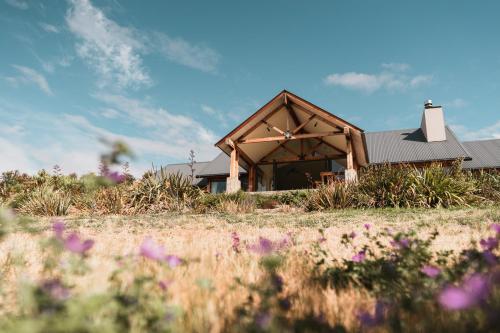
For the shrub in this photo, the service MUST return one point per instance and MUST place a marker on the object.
(45, 201)
(332, 196)
(161, 191)
(239, 202)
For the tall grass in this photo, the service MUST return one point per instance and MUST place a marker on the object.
(158, 190)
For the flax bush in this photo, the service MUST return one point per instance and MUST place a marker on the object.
(46, 201)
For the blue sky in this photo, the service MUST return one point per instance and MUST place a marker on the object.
(170, 76)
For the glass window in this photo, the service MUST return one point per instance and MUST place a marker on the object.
(218, 186)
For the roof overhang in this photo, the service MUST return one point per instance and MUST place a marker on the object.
(263, 132)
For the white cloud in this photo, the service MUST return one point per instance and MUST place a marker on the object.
(19, 4)
(112, 50)
(48, 27)
(178, 133)
(109, 113)
(391, 78)
(195, 56)
(420, 80)
(29, 75)
(115, 52)
(487, 132)
(219, 115)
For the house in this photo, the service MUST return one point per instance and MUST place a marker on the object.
(290, 143)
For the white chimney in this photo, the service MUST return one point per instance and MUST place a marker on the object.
(433, 122)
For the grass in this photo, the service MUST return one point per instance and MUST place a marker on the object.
(206, 288)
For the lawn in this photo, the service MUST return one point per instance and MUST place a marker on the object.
(204, 291)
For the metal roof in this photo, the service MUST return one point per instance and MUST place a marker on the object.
(410, 146)
(219, 166)
(185, 170)
(485, 154)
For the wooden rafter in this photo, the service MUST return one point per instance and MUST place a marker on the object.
(293, 137)
(259, 123)
(277, 129)
(319, 118)
(304, 124)
(298, 159)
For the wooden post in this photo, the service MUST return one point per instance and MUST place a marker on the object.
(350, 173)
(251, 178)
(233, 184)
(275, 176)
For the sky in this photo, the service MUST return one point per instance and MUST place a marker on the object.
(170, 76)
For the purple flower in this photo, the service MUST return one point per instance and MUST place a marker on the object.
(74, 244)
(151, 250)
(55, 289)
(236, 242)
(430, 271)
(263, 320)
(165, 284)
(495, 227)
(367, 226)
(489, 243)
(266, 246)
(369, 320)
(359, 257)
(352, 235)
(58, 228)
(401, 243)
(115, 177)
(321, 239)
(473, 290)
(173, 261)
(490, 258)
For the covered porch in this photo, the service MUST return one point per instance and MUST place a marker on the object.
(291, 143)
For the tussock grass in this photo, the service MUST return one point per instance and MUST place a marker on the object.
(204, 240)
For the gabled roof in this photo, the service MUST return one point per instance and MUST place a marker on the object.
(185, 170)
(410, 146)
(485, 154)
(288, 111)
(218, 167)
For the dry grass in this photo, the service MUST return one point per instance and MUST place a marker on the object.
(205, 240)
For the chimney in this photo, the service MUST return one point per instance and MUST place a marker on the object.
(433, 122)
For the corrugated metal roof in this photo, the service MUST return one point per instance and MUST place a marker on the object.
(410, 145)
(219, 166)
(484, 153)
(184, 169)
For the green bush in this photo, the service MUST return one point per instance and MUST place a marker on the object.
(46, 201)
(332, 196)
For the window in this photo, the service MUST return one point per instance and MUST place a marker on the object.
(218, 186)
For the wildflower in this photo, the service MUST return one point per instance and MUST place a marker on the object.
(430, 271)
(74, 244)
(489, 243)
(173, 261)
(285, 304)
(359, 257)
(401, 243)
(115, 176)
(367, 226)
(151, 250)
(58, 228)
(496, 227)
(263, 320)
(55, 289)
(490, 258)
(218, 255)
(352, 235)
(236, 242)
(472, 291)
(321, 239)
(165, 284)
(266, 246)
(369, 320)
